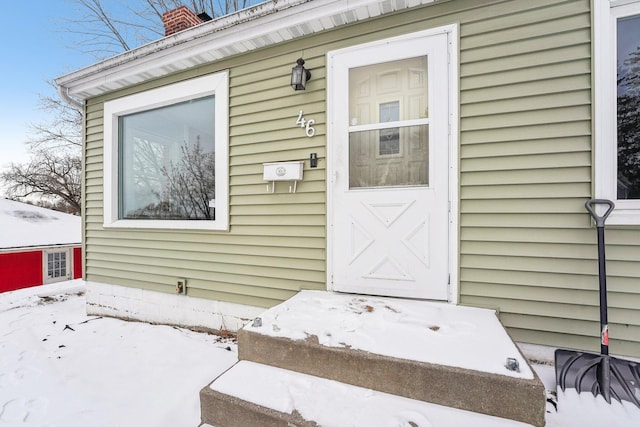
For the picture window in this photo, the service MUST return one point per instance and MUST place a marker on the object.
(166, 156)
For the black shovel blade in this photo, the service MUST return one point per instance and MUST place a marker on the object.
(600, 374)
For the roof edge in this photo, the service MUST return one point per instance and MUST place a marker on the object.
(33, 248)
(266, 20)
(213, 26)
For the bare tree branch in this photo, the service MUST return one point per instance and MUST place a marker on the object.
(63, 128)
(53, 171)
(48, 175)
(105, 28)
(110, 27)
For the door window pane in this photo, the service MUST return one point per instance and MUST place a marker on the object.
(167, 162)
(628, 64)
(368, 168)
(374, 86)
(396, 154)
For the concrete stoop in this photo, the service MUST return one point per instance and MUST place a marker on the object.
(511, 398)
(222, 410)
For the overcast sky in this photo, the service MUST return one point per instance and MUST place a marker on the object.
(32, 52)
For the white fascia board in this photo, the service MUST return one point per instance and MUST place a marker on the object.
(35, 248)
(263, 20)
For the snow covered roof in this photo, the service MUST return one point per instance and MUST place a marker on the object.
(260, 26)
(23, 225)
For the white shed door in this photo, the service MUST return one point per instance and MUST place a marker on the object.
(388, 176)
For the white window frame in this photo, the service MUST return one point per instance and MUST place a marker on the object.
(215, 84)
(45, 265)
(606, 13)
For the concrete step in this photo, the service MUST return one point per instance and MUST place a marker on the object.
(251, 394)
(432, 352)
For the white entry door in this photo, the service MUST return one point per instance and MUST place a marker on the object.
(389, 167)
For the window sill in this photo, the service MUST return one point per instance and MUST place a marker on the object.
(624, 217)
(168, 225)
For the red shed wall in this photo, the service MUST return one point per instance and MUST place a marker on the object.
(77, 263)
(20, 270)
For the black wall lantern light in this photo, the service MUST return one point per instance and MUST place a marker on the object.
(299, 75)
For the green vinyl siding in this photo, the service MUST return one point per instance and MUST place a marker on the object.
(527, 246)
(276, 244)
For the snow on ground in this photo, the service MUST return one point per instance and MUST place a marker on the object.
(23, 225)
(62, 368)
(584, 410)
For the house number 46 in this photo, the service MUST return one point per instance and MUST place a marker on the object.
(306, 124)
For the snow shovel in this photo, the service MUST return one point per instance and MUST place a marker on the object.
(599, 373)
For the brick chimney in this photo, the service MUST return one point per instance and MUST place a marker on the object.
(179, 19)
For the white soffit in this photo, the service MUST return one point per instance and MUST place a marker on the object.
(249, 29)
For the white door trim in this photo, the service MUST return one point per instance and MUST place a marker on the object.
(452, 34)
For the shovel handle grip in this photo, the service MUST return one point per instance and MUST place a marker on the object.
(590, 205)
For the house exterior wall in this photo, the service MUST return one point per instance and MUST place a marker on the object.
(527, 245)
(276, 242)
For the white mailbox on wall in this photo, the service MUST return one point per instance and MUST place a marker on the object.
(283, 171)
